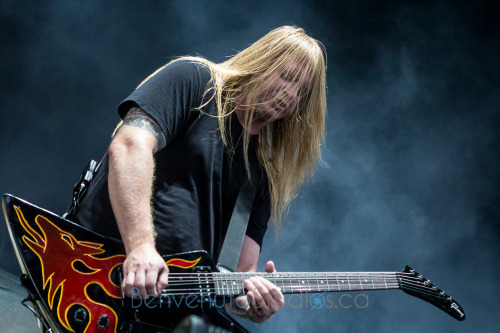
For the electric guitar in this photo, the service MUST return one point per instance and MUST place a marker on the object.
(72, 276)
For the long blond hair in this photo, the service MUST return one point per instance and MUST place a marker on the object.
(288, 149)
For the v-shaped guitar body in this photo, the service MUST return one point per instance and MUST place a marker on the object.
(73, 277)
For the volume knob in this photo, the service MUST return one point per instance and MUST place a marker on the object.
(80, 316)
(103, 321)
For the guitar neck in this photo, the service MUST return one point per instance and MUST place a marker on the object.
(226, 284)
(210, 284)
(290, 283)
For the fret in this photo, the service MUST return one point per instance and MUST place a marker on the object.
(199, 281)
(340, 281)
(202, 282)
(348, 283)
(366, 282)
(239, 284)
(337, 276)
(232, 284)
(282, 283)
(275, 282)
(221, 283)
(278, 283)
(360, 285)
(304, 281)
(373, 285)
(327, 284)
(207, 281)
(317, 281)
(214, 279)
(299, 281)
(385, 281)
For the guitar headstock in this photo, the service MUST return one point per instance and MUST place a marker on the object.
(416, 285)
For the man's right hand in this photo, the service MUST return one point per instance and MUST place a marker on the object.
(145, 270)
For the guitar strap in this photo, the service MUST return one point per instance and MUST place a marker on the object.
(81, 187)
(235, 235)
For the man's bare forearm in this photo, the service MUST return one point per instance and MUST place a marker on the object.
(130, 181)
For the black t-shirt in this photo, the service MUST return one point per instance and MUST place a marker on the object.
(197, 180)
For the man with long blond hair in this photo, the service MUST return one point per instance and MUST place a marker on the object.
(190, 134)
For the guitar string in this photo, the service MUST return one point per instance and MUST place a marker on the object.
(299, 288)
(234, 291)
(317, 276)
(436, 298)
(381, 285)
(237, 290)
(302, 283)
(292, 285)
(240, 292)
(351, 281)
(293, 275)
(201, 293)
(432, 295)
(306, 273)
(231, 278)
(383, 280)
(360, 279)
(355, 279)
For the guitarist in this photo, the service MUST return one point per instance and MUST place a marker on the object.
(189, 135)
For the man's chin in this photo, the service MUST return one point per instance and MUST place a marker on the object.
(256, 126)
(264, 116)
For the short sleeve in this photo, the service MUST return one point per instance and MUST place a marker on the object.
(261, 211)
(170, 96)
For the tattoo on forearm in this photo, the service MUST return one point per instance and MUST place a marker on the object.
(139, 118)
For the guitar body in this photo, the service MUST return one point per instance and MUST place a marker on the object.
(72, 276)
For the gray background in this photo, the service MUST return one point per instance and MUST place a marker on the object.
(411, 162)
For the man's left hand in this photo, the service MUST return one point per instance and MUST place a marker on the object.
(263, 298)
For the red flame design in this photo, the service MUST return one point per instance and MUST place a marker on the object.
(58, 251)
(182, 263)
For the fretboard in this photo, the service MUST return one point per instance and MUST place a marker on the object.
(289, 283)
